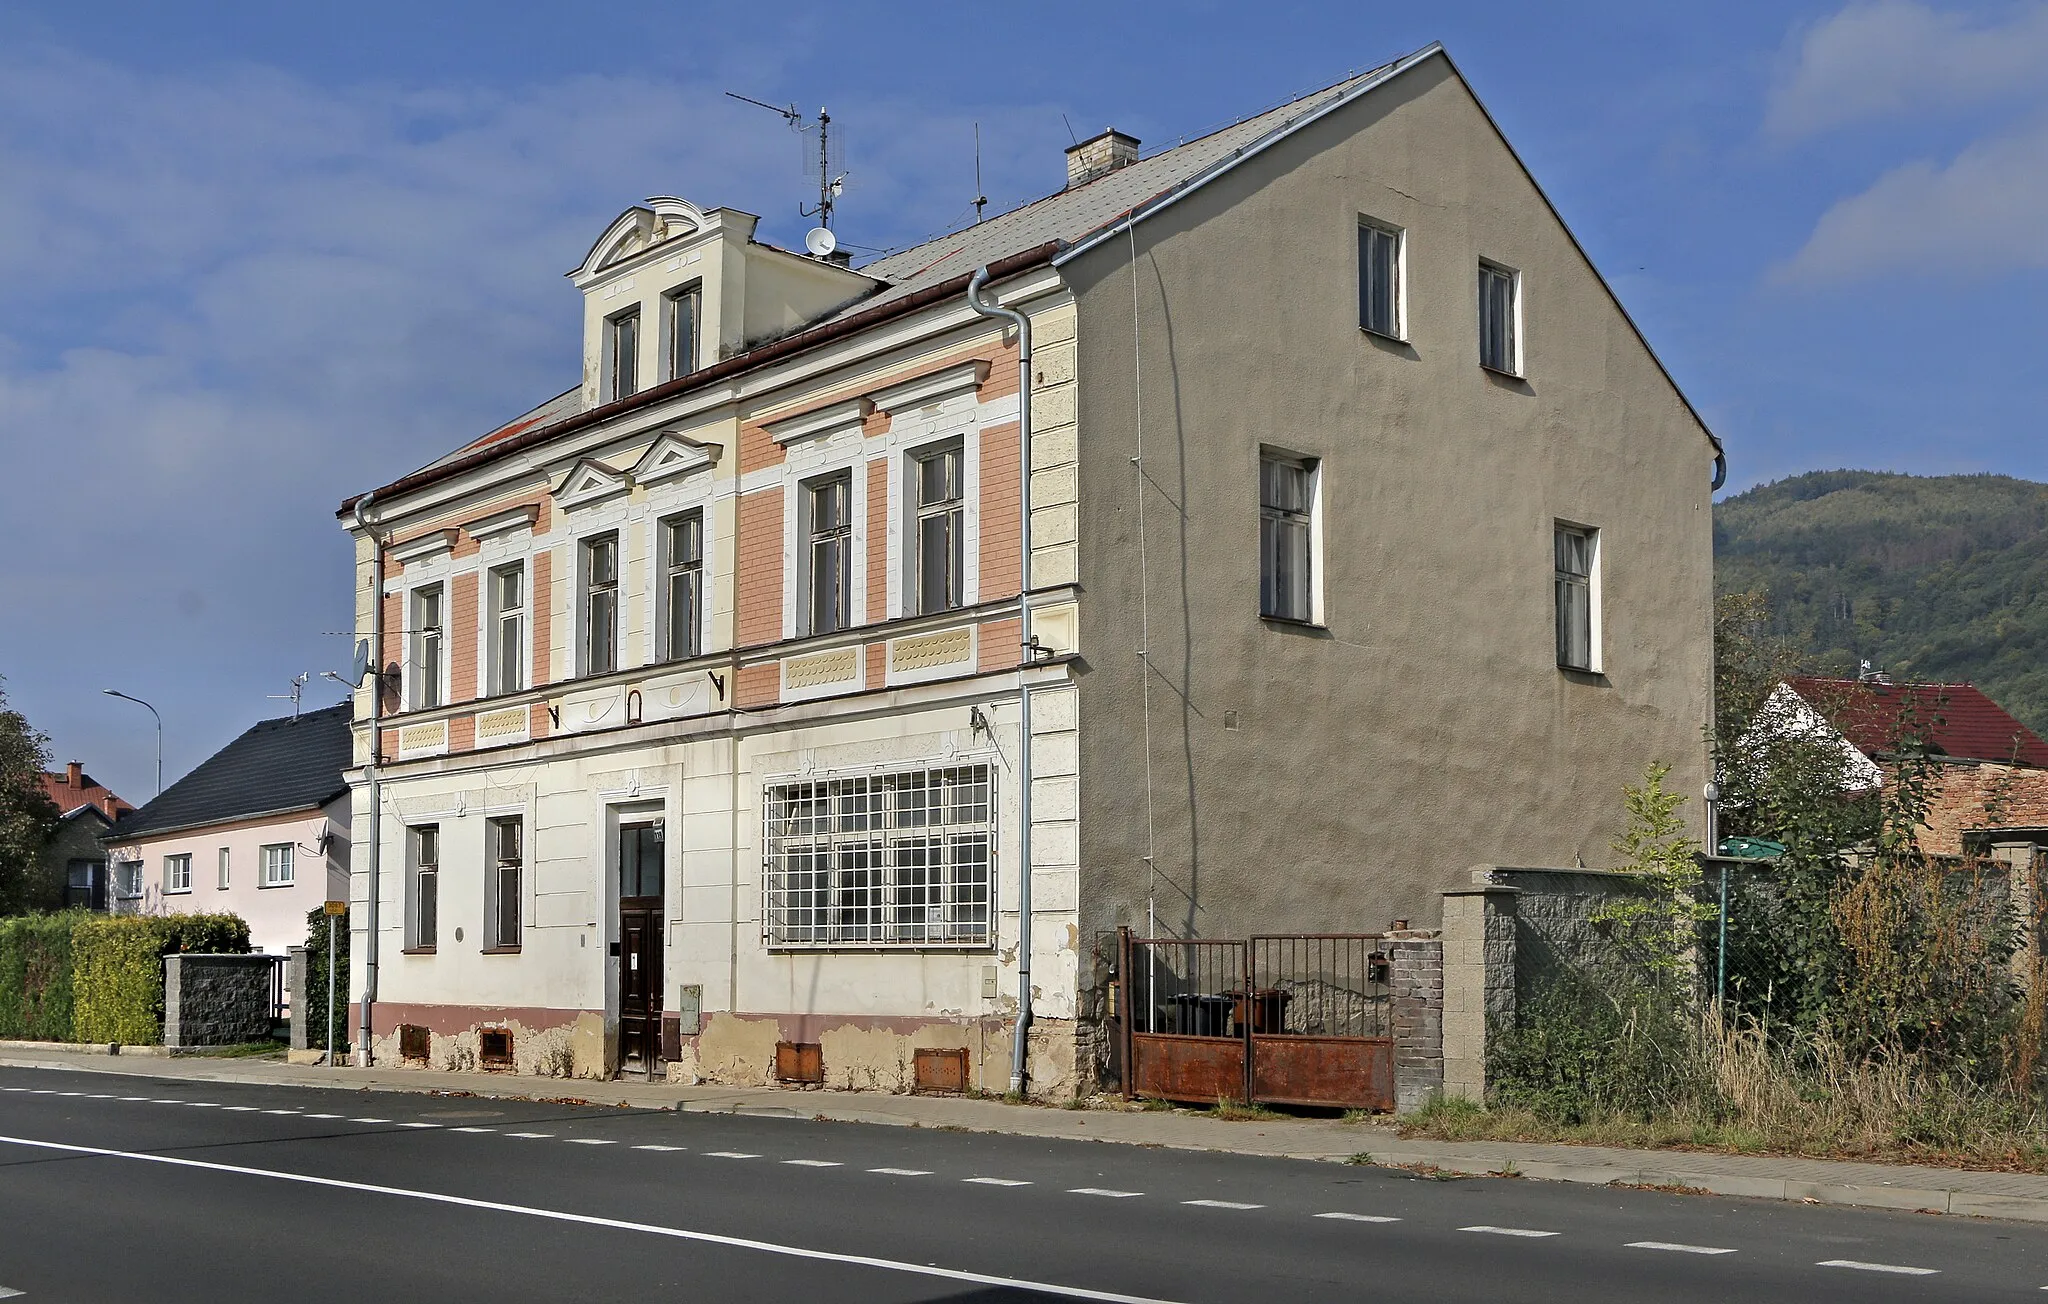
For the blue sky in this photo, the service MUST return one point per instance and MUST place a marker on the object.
(258, 256)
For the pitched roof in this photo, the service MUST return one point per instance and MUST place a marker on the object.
(73, 789)
(1957, 720)
(275, 766)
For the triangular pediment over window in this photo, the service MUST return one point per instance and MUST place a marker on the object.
(590, 481)
(674, 455)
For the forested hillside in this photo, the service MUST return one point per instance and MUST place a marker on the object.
(1926, 577)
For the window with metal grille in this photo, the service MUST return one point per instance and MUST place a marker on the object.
(1575, 553)
(508, 629)
(828, 552)
(680, 310)
(1287, 495)
(682, 595)
(622, 355)
(941, 528)
(501, 910)
(277, 865)
(1379, 279)
(881, 860)
(423, 895)
(177, 873)
(426, 647)
(1499, 349)
(601, 605)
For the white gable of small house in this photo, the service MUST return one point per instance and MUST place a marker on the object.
(1785, 714)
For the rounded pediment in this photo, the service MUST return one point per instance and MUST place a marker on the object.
(662, 219)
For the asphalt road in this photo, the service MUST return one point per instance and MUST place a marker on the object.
(123, 1188)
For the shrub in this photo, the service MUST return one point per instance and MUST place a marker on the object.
(118, 969)
(35, 976)
(315, 995)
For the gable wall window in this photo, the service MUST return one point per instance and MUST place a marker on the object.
(422, 886)
(277, 865)
(502, 884)
(622, 355)
(827, 505)
(1576, 551)
(507, 630)
(224, 880)
(427, 647)
(1500, 344)
(938, 561)
(681, 310)
(682, 589)
(600, 614)
(1379, 279)
(1289, 537)
(178, 873)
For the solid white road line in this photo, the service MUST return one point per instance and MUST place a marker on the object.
(995, 1181)
(1859, 1266)
(1221, 1204)
(663, 1149)
(813, 1163)
(1506, 1231)
(617, 1224)
(588, 1141)
(1676, 1248)
(926, 1172)
(730, 1154)
(1096, 1190)
(1359, 1217)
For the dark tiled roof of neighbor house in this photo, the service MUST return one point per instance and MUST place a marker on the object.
(276, 766)
(1958, 719)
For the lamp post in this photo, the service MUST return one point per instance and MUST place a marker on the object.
(159, 734)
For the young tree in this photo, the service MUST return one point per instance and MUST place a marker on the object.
(28, 817)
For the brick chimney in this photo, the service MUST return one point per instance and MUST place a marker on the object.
(74, 774)
(1099, 156)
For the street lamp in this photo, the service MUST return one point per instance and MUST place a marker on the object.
(159, 734)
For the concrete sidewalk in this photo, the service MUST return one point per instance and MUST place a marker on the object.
(1822, 1181)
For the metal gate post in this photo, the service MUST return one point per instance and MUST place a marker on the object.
(1124, 1006)
(1245, 1004)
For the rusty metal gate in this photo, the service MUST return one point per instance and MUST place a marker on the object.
(1283, 1019)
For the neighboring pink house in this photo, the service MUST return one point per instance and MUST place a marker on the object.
(260, 830)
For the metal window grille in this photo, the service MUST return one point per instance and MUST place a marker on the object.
(426, 648)
(624, 360)
(507, 861)
(277, 865)
(601, 605)
(683, 565)
(1497, 318)
(829, 531)
(681, 328)
(508, 628)
(1379, 280)
(881, 860)
(1574, 580)
(1286, 501)
(941, 530)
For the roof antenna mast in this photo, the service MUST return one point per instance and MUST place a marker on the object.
(298, 687)
(829, 186)
(980, 196)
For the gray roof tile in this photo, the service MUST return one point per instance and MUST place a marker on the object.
(276, 765)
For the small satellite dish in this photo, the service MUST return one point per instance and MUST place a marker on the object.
(821, 241)
(362, 662)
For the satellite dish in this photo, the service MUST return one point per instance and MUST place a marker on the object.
(362, 662)
(821, 241)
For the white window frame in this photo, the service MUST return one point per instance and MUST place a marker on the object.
(178, 873)
(1398, 328)
(914, 514)
(664, 568)
(496, 866)
(496, 617)
(128, 880)
(225, 867)
(855, 542)
(286, 854)
(584, 593)
(1595, 549)
(674, 365)
(870, 892)
(1488, 266)
(416, 649)
(420, 874)
(1313, 465)
(615, 386)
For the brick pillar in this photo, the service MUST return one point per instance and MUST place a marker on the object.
(1479, 980)
(1416, 994)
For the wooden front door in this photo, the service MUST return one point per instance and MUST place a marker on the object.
(640, 923)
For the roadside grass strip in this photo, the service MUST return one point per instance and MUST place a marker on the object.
(1221, 1204)
(1529, 1232)
(615, 1224)
(1360, 1217)
(1897, 1269)
(1675, 1248)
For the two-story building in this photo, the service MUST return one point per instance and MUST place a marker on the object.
(1252, 535)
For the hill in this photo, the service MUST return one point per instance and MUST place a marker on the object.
(1926, 577)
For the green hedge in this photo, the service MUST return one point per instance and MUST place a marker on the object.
(315, 995)
(118, 970)
(35, 975)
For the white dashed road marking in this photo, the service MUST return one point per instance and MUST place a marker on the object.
(472, 1129)
(135, 1097)
(813, 1163)
(1359, 1217)
(401, 1124)
(294, 1111)
(1506, 1231)
(531, 1136)
(233, 1109)
(1096, 1190)
(8, 1292)
(323, 1116)
(996, 1181)
(1221, 1204)
(1858, 1265)
(202, 1104)
(926, 1172)
(664, 1149)
(1676, 1248)
(730, 1154)
(369, 1120)
(588, 1141)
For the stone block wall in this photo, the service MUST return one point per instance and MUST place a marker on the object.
(1416, 993)
(216, 1000)
(1479, 941)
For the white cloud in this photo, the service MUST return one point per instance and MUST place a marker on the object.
(1983, 210)
(1880, 60)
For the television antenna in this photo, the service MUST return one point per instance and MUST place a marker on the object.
(980, 196)
(829, 186)
(298, 686)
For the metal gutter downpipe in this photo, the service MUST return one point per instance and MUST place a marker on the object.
(370, 776)
(1020, 1052)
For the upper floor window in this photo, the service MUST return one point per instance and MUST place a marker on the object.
(507, 671)
(622, 355)
(682, 593)
(1379, 279)
(224, 860)
(426, 647)
(178, 873)
(423, 887)
(1287, 504)
(601, 604)
(277, 865)
(940, 561)
(501, 905)
(828, 552)
(681, 310)
(1499, 309)
(1577, 552)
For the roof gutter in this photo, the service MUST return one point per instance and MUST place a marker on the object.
(788, 346)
